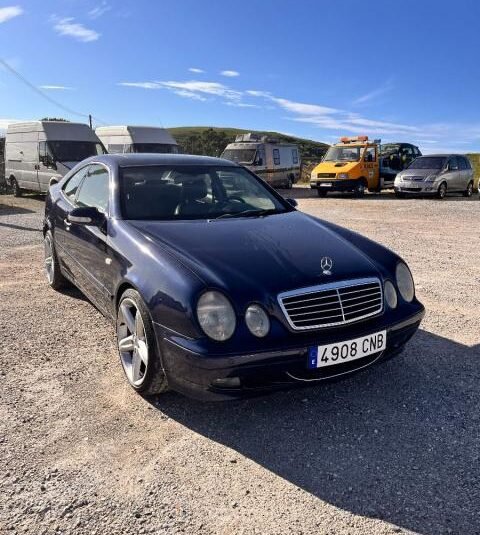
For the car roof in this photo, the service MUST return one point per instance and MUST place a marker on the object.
(128, 160)
(441, 155)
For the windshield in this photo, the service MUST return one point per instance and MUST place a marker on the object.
(343, 154)
(195, 192)
(428, 162)
(155, 148)
(74, 151)
(240, 155)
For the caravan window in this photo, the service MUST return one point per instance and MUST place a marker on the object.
(276, 157)
(74, 151)
(295, 156)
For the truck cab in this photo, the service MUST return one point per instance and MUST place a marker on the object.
(356, 163)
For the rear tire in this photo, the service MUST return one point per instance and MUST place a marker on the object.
(469, 191)
(53, 272)
(289, 183)
(17, 190)
(137, 346)
(322, 192)
(442, 190)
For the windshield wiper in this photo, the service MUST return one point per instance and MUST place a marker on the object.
(248, 213)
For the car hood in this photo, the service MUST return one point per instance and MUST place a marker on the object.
(419, 172)
(335, 167)
(274, 253)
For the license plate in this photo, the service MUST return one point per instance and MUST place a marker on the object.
(331, 354)
(325, 184)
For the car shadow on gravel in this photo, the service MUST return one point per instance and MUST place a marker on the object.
(397, 442)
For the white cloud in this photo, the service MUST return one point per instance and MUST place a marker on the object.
(230, 74)
(9, 12)
(99, 10)
(68, 26)
(374, 94)
(56, 87)
(142, 85)
(196, 70)
(242, 105)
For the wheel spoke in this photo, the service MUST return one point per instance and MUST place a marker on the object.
(136, 364)
(143, 351)
(139, 330)
(126, 344)
(128, 317)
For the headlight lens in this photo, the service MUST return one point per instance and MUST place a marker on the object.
(343, 175)
(216, 316)
(257, 321)
(313, 176)
(405, 283)
(431, 178)
(391, 295)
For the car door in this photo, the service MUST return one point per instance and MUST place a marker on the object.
(65, 204)
(463, 173)
(87, 244)
(453, 175)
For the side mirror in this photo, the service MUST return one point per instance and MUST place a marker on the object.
(292, 202)
(86, 215)
(53, 181)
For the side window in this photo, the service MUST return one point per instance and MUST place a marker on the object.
(115, 149)
(370, 154)
(462, 163)
(276, 157)
(453, 164)
(416, 152)
(94, 190)
(295, 156)
(469, 165)
(71, 186)
(42, 150)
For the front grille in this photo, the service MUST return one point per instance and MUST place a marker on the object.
(326, 175)
(332, 304)
(414, 178)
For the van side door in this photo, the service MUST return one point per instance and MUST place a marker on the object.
(46, 167)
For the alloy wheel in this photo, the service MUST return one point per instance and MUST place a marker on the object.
(132, 342)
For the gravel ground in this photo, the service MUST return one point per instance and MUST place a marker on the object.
(394, 449)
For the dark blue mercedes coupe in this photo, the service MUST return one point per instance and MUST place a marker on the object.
(218, 286)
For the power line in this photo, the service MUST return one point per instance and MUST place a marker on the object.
(44, 95)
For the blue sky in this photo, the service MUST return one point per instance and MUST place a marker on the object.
(402, 71)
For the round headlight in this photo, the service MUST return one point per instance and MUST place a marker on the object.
(216, 316)
(257, 321)
(391, 295)
(405, 282)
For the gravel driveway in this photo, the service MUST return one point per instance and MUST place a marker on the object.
(395, 449)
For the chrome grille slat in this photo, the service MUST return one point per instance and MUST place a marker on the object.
(333, 304)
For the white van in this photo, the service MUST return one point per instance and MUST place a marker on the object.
(277, 163)
(121, 139)
(39, 150)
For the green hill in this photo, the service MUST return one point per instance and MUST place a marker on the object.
(211, 141)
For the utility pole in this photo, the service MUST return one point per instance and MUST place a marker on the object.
(90, 121)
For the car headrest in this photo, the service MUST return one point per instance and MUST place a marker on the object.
(194, 189)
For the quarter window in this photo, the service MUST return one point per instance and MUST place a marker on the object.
(95, 188)
(453, 164)
(73, 183)
(276, 157)
(462, 163)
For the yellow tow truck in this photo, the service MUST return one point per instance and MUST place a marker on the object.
(356, 163)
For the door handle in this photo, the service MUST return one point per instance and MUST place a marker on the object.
(67, 224)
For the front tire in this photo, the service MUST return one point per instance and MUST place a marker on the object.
(469, 191)
(137, 346)
(359, 190)
(52, 266)
(17, 190)
(442, 190)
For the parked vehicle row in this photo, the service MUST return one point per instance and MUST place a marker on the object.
(205, 271)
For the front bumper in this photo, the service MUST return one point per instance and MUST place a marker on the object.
(419, 188)
(334, 184)
(195, 374)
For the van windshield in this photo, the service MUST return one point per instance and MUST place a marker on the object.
(343, 154)
(74, 151)
(239, 155)
(155, 148)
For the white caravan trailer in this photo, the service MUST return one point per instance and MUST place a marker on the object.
(276, 162)
(39, 150)
(121, 139)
